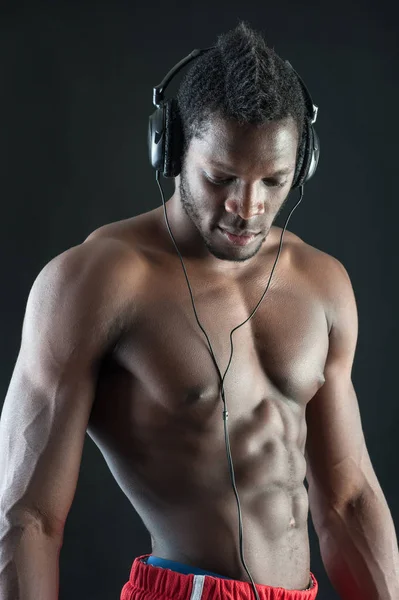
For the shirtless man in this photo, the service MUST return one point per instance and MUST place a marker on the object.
(110, 345)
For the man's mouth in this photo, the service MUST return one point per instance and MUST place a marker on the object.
(242, 239)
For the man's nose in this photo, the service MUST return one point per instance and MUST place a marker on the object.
(246, 202)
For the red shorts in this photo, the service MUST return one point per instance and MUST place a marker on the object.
(148, 582)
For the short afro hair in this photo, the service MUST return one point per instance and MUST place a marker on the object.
(240, 79)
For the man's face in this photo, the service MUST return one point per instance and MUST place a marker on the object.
(238, 177)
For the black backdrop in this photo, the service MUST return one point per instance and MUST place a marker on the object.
(76, 83)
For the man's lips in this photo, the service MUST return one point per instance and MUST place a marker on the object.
(237, 240)
(240, 233)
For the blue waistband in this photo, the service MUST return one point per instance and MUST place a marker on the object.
(180, 567)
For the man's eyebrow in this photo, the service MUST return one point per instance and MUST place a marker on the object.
(226, 168)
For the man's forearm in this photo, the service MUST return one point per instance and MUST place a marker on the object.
(29, 562)
(360, 550)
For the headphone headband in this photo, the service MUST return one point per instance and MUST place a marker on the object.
(159, 90)
(311, 108)
(165, 135)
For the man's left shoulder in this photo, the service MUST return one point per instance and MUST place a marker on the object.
(326, 267)
(327, 274)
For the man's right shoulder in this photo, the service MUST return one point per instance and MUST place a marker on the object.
(103, 271)
(102, 254)
(94, 287)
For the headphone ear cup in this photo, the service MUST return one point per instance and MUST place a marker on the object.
(173, 139)
(315, 154)
(156, 138)
(300, 159)
(311, 152)
(304, 155)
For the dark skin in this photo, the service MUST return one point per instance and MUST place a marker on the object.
(186, 468)
(111, 346)
(246, 194)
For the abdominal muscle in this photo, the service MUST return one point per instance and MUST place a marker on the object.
(275, 545)
(177, 477)
(200, 525)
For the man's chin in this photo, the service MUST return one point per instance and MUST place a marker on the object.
(237, 254)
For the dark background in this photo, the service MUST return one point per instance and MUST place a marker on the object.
(76, 92)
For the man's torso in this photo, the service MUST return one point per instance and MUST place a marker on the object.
(157, 416)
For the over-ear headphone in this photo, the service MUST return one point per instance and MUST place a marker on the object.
(165, 130)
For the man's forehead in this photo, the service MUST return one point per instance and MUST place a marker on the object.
(217, 126)
(228, 167)
(276, 158)
(229, 139)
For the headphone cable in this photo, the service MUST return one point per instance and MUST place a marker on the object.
(225, 411)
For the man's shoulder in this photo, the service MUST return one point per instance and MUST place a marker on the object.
(326, 273)
(104, 270)
(132, 232)
(325, 266)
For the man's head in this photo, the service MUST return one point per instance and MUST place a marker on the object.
(242, 112)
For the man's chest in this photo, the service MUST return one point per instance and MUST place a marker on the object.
(280, 351)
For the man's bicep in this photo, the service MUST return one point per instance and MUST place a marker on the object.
(334, 445)
(338, 465)
(51, 392)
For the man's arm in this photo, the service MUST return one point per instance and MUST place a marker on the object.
(353, 522)
(71, 321)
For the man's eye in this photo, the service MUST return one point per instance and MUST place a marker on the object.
(274, 183)
(219, 181)
(267, 182)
